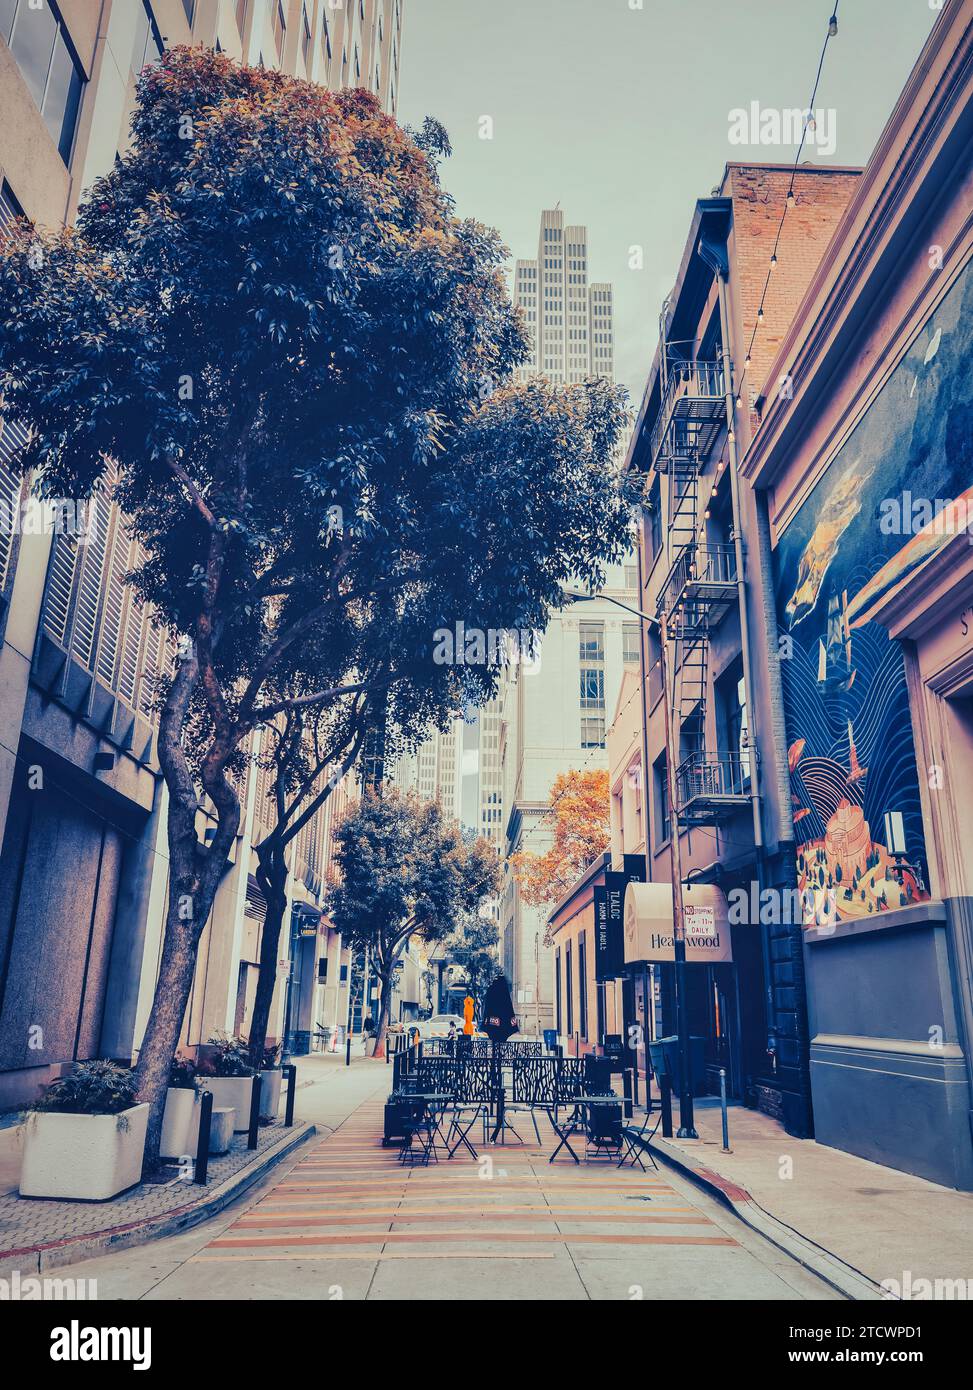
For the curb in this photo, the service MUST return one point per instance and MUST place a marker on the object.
(842, 1277)
(34, 1259)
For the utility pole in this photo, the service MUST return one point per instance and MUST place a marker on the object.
(687, 1127)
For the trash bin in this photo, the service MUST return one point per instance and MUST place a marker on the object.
(664, 1053)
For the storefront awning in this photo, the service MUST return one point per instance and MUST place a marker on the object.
(648, 924)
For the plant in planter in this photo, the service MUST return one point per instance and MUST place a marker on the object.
(182, 1097)
(85, 1135)
(226, 1071)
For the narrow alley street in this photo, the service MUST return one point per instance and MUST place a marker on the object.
(346, 1220)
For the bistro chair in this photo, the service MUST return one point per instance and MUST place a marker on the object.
(419, 1129)
(638, 1138)
(604, 1130)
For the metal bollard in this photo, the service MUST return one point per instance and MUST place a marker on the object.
(726, 1124)
(348, 1050)
(202, 1141)
(290, 1072)
(254, 1112)
(665, 1101)
(635, 1086)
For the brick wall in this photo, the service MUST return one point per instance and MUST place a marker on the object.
(759, 196)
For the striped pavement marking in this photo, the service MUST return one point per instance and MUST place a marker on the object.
(521, 1203)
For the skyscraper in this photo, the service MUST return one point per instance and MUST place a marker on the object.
(570, 320)
(552, 719)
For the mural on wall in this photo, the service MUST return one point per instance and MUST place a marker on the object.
(899, 488)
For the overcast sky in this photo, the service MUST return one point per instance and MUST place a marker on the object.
(623, 114)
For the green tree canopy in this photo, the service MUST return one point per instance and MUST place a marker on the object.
(403, 870)
(293, 360)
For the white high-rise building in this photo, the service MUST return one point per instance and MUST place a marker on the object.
(570, 320)
(553, 719)
(435, 770)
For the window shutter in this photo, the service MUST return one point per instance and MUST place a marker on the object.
(12, 440)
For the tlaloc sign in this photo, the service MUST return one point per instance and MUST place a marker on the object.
(609, 940)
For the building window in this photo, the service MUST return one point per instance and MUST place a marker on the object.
(660, 789)
(280, 27)
(305, 36)
(630, 644)
(654, 659)
(731, 695)
(557, 990)
(631, 576)
(591, 641)
(655, 519)
(147, 47)
(323, 970)
(568, 989)
(42, 50)
(593, 731)
(10, 208)
(592, 689)
(583, 986)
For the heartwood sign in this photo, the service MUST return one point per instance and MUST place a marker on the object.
(649, 930)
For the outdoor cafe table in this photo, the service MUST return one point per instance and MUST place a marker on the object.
(575, 1121)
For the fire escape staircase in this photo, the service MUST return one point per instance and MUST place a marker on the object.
(698, 591)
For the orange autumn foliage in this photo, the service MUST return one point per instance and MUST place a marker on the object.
(578, 814)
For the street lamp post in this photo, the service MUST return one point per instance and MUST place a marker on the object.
(687, 1127)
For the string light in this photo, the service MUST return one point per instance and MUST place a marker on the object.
(791, 199)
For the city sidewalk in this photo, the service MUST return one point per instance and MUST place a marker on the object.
(878, 1221)
(43, 1234)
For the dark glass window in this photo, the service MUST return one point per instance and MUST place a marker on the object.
(32, 46)
(568, 989)
(7, 8)
(305, 36)
(660, 786)
(48, 64)
(147, 47)
(583, 986)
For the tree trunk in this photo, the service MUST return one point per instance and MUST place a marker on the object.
(272, 878)
(172, 990)
(194, 876)
(383, 1013)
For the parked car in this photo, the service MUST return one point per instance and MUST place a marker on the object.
(438, 1026)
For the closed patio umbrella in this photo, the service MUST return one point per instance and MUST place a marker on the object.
(499, 1019)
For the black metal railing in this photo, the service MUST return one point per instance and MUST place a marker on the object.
(712, 777)
(713, 565)
(691, 388)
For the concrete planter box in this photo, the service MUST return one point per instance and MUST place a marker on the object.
(231, 1092)
(86, 1157)
(177, 1122)
(270, 1084)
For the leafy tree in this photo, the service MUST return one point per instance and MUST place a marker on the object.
(295, 359)
(578, 814)
(404, 870)
(473, 947)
